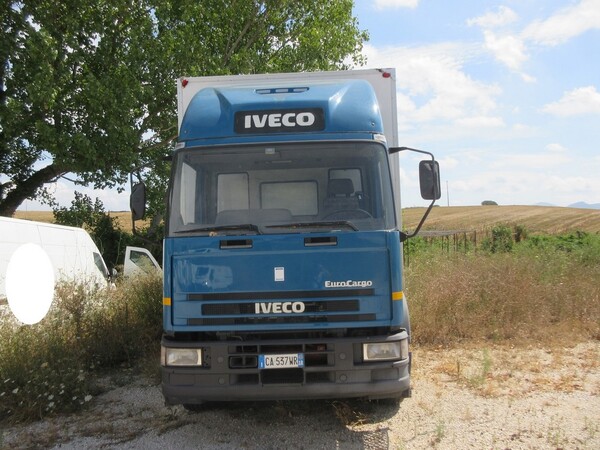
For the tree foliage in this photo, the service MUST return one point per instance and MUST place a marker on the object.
(87, 87)
(103, 229)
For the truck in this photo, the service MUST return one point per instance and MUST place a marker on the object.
(282, 258)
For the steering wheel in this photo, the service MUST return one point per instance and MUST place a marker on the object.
(348, 214)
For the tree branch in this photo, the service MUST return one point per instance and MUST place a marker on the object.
(26, 188)
(158, 144)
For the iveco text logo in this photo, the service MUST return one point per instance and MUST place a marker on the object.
(348, 283)
(279, 308)
(277, 121)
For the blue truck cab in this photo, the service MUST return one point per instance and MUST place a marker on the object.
(282, 255)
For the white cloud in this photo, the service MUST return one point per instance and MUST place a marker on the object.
(578, 185)
(553, 174)
(530, 161)
(565, 24)
(509, 50)
(528, 78)
(556, 148)
(448, 162)
(385, 4)
(523, 130)
(503, 16)
(405, 103)
(432, 84)
(519, 186)
(481, 122)
(580, 101)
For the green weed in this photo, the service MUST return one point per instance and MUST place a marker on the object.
(477, 379)
(49, 367)
(544, 287)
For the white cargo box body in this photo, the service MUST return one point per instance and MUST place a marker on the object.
(383, 82)
(73, 253)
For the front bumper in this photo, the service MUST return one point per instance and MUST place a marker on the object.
(333, 369)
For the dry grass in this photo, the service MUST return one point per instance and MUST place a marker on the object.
(537, 219)
(520, 297)
(46, 368)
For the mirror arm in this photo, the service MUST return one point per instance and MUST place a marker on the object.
(393, 150)
(137, 170)
(404, 236)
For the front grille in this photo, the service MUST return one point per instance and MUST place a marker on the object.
(255, 308)
(319, 363)
(226, 309)
(282, 376)
(282, 319)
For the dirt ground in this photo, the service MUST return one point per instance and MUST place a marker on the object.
(481, 397)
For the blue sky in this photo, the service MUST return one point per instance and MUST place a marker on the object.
(506, 94)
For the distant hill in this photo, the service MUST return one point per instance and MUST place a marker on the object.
(537, 219)
(585, 205)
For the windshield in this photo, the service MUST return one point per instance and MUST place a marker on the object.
(281, 188)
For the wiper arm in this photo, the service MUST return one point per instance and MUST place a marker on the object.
(336, 223)
(243, 226)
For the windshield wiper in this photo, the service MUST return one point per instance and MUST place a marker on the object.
(336, 223)
(244, 226)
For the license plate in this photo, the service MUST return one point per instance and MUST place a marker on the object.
(290, 360)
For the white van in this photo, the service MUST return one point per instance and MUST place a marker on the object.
(72, 252)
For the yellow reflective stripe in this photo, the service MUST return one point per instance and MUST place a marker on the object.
(397, 295)
(166, 301)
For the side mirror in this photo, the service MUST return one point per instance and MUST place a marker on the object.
(137, 201)
(429, 179)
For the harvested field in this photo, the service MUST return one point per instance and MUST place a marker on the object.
(537, 219)
(123, 217)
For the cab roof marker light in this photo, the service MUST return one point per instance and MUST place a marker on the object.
(380, 138)
(290, 90)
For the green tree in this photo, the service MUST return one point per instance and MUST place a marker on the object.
(87, 87)
(84, 213)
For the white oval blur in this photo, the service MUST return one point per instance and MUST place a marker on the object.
(29, 283)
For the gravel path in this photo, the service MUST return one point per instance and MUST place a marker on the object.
(480, 397)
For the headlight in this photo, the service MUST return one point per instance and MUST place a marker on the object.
(181, 356)
(384, 351)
